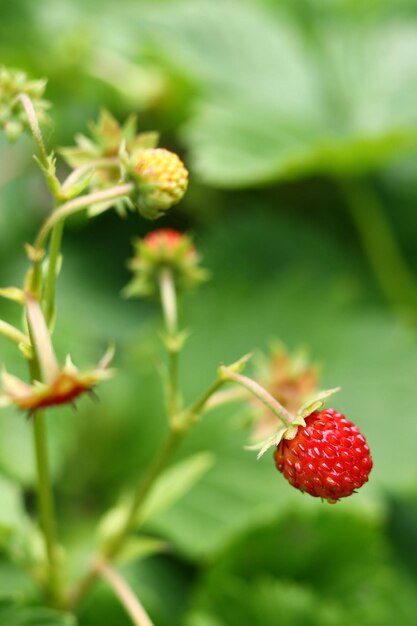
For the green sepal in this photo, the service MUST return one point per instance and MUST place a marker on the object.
(138, 548)
(13, 293)
(236, 367)
(49, 171)
(144, 141)
(316, 403)
(78, 187)
(175, 343)
(283, 432)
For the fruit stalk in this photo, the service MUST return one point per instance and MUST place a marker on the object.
(169, 309)
(125, 594)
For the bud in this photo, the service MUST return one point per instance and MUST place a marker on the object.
(164, 248)
(60, 385)
(14, 83)
(161, 179)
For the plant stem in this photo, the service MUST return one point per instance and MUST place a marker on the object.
(381, 247)
(78, 204)
(45, 496)
(34, 127)
(259, 392)
(12, 333)
(169, 309)
(168, 300)
(143, 488)
(125, 594)
(50, 281)
(110, 551)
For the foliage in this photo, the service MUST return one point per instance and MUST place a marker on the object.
(254, 93)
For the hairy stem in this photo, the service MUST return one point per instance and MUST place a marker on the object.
(34, 127)
(78, 204)
(110, 551)
(395, 278)
(45, 495)
(169, 309)
(12, 333)
(50, 281)
(143, 488)
(124, 593)
(259, 392)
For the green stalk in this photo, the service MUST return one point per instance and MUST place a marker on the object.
(12, 333)
(34, 127)
(169, 309)
(171, 443)
(394, 276)
(78, 204)
(228, 375)
(45, 495)
(125, 594)
(50, 281)
(144, 487)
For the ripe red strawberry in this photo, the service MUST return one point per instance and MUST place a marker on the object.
(328, 458)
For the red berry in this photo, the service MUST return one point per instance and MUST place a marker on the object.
(328, 458)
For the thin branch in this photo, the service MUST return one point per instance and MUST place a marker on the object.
(124, 593)
(83, 202)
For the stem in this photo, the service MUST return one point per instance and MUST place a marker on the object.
(125, 594)
(111, 550)
(50, 281)
(168, 300)
(45, 496)
(169, 309)
(46, 360)
(200, 403)
(144, 487)
(34, 127)
(390, 267)
(12, 333)
(73, 206)
(259, 392)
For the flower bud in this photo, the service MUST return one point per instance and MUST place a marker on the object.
(13, 84)
(161, 179)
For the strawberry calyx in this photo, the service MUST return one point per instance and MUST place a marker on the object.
(289, 430)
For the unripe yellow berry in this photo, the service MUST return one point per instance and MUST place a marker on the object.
(162, 180)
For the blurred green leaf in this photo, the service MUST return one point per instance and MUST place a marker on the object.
(329, 568)
(137, 548)
(276, 102)
(34, 616)
(174, 483)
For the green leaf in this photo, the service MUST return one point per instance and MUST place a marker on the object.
(137, 548)
(283, 103)
(34, 616)
(174, 483)
(171, 486)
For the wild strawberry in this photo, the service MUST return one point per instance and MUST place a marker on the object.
(164, 249)
(328, 457)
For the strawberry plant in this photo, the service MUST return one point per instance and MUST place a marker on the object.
(119, 167)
